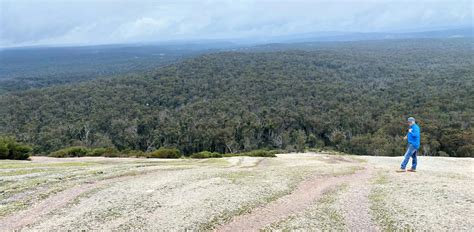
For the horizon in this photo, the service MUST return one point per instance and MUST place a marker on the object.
(82, 23)
(319, 37)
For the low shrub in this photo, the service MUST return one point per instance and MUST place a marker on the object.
(206, 155)
(260, 153)
(315, 150)
(442, 153)
(4, 151)
(11, 149)
(165, 153)
(80, 151)
(135, 153)
(19, 151)
(70, 152)
(255, 153)
(465, 151)
(103, 151)
(96, 151)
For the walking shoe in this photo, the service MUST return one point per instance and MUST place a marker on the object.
(401, 170)
(412, 170)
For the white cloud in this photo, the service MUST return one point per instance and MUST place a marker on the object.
(41, 22)
(143, 28)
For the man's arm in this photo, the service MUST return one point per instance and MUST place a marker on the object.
(406, 136)
(414, 132)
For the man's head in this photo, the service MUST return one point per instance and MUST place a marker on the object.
(411, 121)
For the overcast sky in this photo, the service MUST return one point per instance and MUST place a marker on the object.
(79, 22)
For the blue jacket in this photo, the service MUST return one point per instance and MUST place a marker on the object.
(414, 136)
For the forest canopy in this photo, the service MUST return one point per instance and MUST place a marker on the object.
(354, 97)
(38, 67)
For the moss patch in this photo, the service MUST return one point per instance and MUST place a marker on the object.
(27, 164)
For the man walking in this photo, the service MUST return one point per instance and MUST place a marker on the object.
(413, 138)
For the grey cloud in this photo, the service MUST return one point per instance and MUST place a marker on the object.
(47, 22)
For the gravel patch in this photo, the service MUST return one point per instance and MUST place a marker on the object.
(355, 204)
(301, 198)
(180, 194)
(440, 196)
(185, 194)
(322, 215)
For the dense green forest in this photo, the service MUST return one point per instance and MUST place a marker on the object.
(26, 68)
(352, 96)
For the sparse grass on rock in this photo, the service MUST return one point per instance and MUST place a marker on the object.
(323, 215)
(200, 194)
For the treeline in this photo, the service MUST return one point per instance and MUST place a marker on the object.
(354, 97)
(162, 153)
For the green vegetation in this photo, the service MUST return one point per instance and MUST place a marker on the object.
(354, 97)
(11, 149)
(107, 152)
(22, 69)
(256, 153)
(80, 151)
(167, 153)
(170, 153)
(29, 165)
(70, 152)
(205, 155)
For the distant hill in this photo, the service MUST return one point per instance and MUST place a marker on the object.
(467, 32)
(36, 67)
(352, 96)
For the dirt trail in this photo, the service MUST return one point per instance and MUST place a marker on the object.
(356, 205)
(26, 217)
(305, 194)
